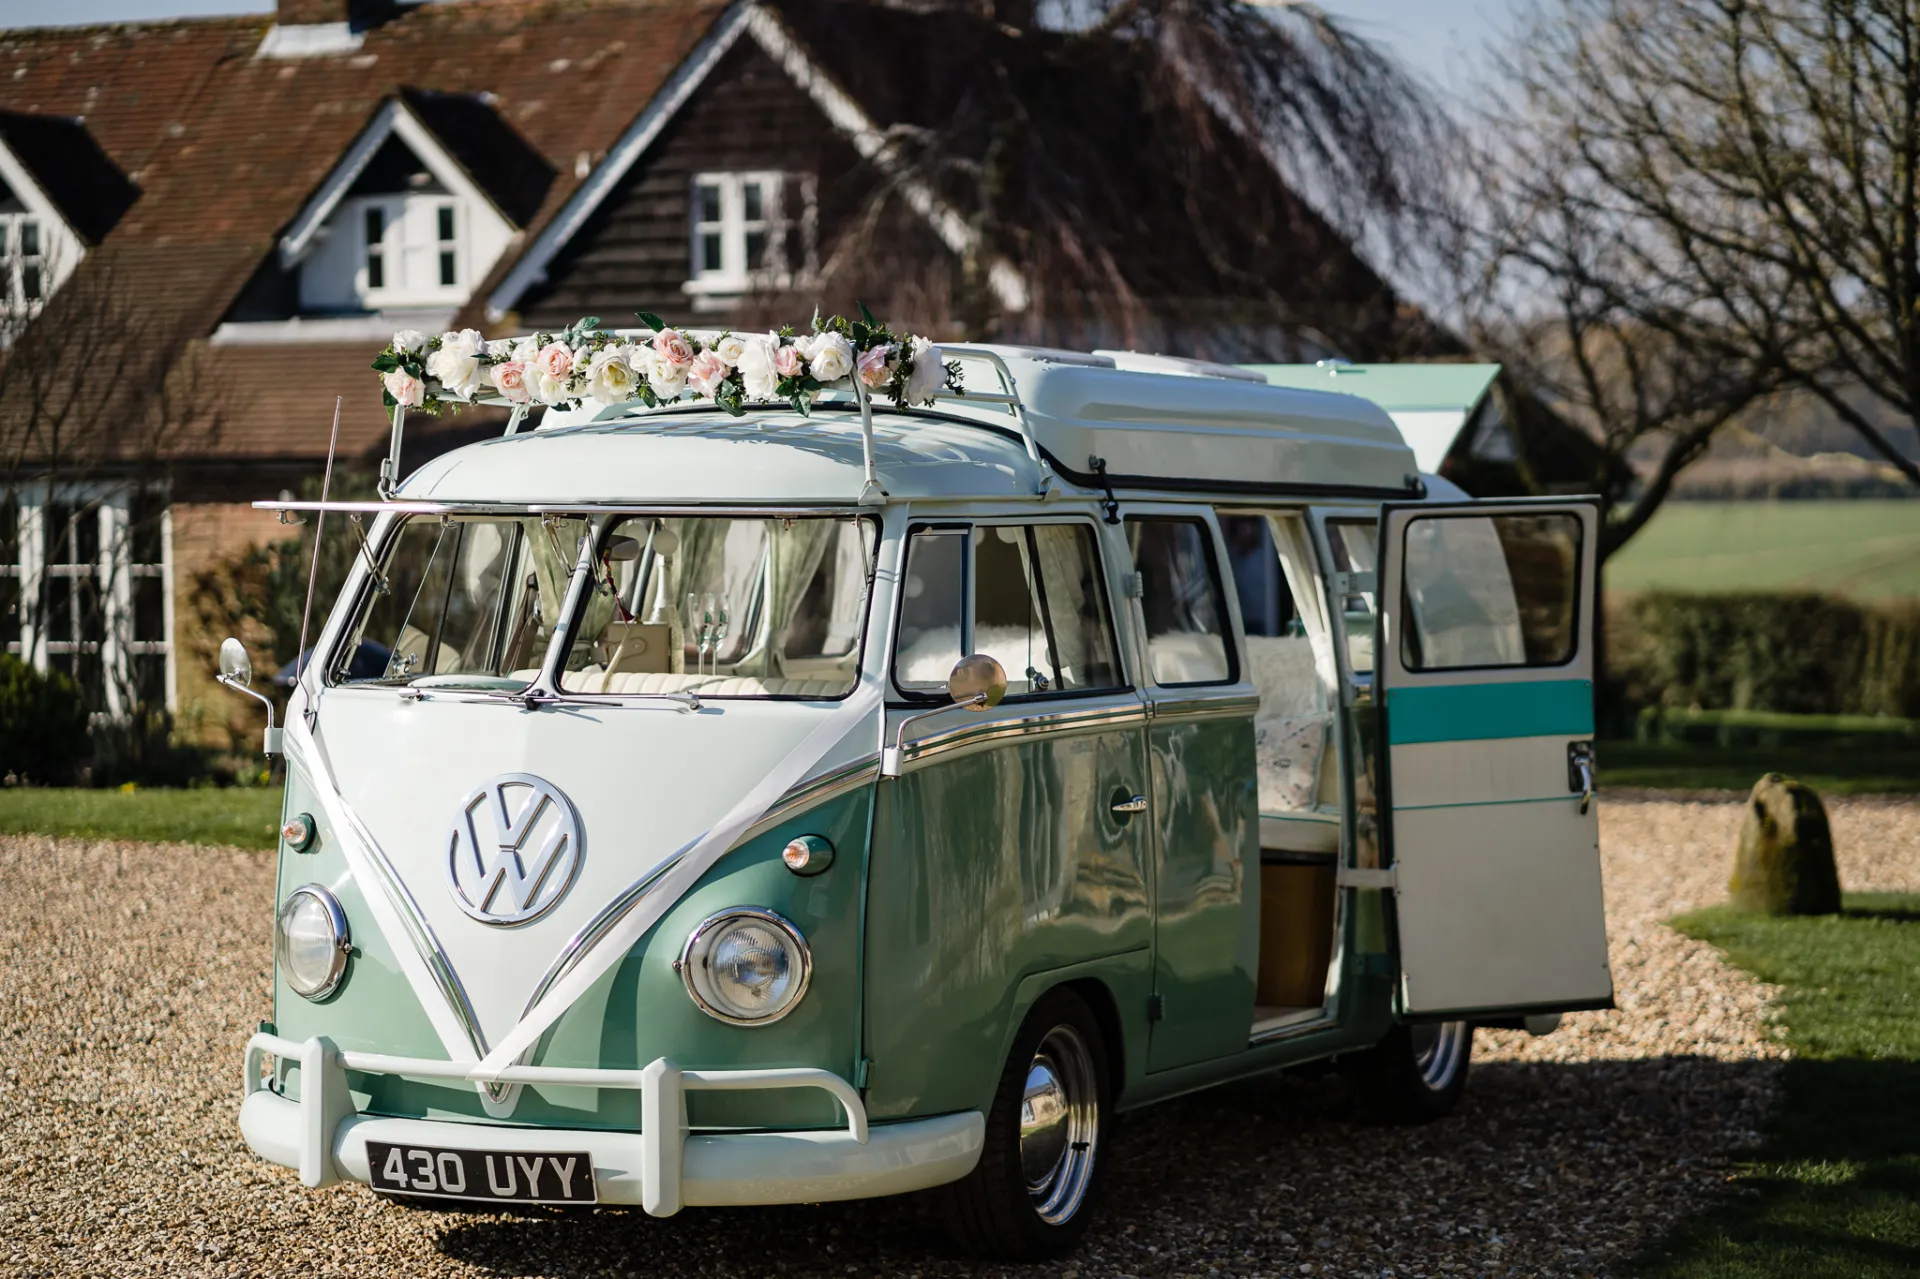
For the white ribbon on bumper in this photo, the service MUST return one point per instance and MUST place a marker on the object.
(847, 718)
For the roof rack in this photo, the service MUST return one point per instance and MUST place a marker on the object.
(1008, 396)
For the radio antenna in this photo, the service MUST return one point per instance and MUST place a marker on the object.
(313, 570)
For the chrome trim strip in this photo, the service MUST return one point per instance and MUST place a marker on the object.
(1205, 707)
(817, 790)
(825, 508)
(1289, 1030)
(1058, 721)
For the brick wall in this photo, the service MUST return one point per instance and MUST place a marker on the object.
(204, 533)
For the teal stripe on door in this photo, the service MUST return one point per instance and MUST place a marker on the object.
(1477, 712)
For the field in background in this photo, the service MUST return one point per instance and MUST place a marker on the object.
(1867, 549)
(248, 817)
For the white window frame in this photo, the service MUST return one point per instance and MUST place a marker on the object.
(114, 567)
(410, 243)
(786, 263)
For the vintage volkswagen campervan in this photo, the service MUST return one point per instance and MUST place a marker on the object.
(689, 807)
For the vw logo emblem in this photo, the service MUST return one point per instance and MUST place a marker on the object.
(514, 849)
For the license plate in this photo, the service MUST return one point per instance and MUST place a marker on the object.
(491, 1176)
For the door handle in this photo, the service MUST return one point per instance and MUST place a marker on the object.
(1580, 772)
(1138, 804)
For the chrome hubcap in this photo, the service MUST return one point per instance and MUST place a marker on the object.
(1059, 1125)
(1438, 1051)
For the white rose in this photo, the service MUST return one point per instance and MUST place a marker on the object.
(730, 348)
(803, 343)
(756, 367)
(409, 340)
(500, 349)
(929, 372)
(831, 358)
(525, 349)
(457, 363)
(610, 379)
(666, 378)
(547, 388)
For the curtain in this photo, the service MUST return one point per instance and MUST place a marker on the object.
(793, 560)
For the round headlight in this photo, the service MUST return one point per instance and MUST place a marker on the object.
(746, 965)
(310, 942)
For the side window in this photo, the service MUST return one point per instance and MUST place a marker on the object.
(1038, 608)
(932, 610)
(1490, 591)
(1182, 600)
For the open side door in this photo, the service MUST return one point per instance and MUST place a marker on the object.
(1484, 673)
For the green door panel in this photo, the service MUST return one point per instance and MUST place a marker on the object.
(1206, 898)
(638, 1010)
(988, 867)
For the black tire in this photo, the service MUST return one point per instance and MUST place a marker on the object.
(1413, 1076)
(1030, 1199)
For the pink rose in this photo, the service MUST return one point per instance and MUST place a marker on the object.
(872, 366)
(675, 346)
(788, 362)
(405, 388)
(554, 360)
(706, 375)
(510, 379)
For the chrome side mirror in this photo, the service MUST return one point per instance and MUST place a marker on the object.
(235, 666)
(236, 672)
(976, 684)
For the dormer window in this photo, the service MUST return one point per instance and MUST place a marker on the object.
(415, 213)
(751, 231)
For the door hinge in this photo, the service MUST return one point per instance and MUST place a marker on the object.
(862, 1072)
(1362, 877)
(1156, 1008)
(1133, 585)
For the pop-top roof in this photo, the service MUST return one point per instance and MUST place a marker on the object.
(1428, 402)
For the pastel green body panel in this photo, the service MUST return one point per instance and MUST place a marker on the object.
(990, 867)
(1207, 935)
(1480, 712)
(639, 1009)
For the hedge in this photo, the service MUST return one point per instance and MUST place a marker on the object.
(1800, 653)
(43, 725)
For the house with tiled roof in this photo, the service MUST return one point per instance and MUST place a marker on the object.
(275, 195)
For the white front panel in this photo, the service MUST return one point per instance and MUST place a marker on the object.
(645, 780)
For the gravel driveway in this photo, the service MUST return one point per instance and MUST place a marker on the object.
(133, 974)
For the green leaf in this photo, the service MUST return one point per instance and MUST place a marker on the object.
(651, 320)
(386, 361)
(803, 404)
(867, 315)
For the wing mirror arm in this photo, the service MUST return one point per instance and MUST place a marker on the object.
(236, 672)
(976, 684)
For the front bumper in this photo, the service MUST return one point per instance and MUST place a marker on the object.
(662, 1168)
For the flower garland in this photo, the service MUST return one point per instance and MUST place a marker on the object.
(584, 362)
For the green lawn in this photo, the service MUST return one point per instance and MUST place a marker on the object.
(1835, 1187)
(246, 816)
(1866, 549)
(1698, 767)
